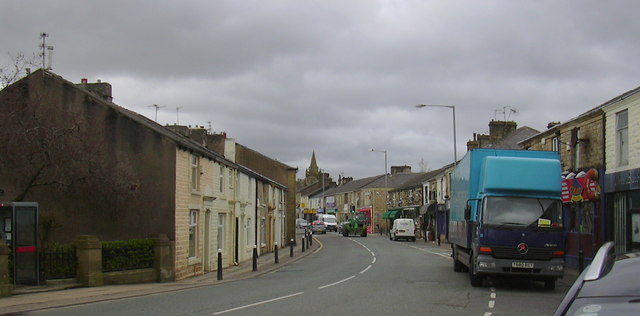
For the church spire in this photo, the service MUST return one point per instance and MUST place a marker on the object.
(314, 165)
(313, 172)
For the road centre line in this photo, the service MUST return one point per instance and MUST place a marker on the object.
(258, 303)
(335, 283)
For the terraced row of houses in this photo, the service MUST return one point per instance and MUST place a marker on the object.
(96, 168)
(603, 143)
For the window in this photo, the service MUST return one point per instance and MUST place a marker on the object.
(581, 217)
(622, 138)
(221, 231)
(555, 143)
(194, 172)
(576, 148)
(230, 179)
(221, 179)
(193, 224)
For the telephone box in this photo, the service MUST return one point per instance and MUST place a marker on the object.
(19, 229)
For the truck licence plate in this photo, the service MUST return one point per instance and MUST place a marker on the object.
(522, 265)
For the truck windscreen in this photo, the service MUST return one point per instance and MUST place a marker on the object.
(517, 211)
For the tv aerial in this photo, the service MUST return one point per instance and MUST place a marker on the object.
(157, 108)
(506, 112)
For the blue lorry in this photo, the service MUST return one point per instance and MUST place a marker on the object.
(506, 215)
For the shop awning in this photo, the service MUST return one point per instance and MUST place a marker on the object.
(390, 214)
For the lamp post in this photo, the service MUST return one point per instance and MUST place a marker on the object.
(386, 191)
(452, 107)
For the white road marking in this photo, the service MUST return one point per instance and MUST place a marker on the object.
(488, 314)
(492, 304)
(374, 260)
(258, 303)
(334, 283)
(444, 255)
(493, 296)
(365, 270)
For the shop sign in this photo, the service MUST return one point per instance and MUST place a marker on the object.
(331, 202)
(581, 189)
(622, 181)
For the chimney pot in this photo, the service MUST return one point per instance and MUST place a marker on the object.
(84, 81)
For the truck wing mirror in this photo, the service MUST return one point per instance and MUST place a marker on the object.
(467, 212)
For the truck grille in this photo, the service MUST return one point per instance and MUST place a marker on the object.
(502, 252)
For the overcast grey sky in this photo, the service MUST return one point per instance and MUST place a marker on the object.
(339, 76)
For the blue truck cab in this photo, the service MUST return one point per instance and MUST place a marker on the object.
(506, 215)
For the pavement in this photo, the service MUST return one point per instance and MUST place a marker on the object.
(61, 294)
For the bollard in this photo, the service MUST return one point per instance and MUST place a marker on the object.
(291, 248)
(255, 258)
(303, 243)
(276, 252)
(580, 261)
(310, 240)
(219, 264)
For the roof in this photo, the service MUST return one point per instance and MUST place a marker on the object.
(511, 140)
(593, 111)
(180, 140)
(352, 186)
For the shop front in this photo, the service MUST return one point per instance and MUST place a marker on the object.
(622, 191)
(583, 212)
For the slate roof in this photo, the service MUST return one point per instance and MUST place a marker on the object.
(592, 111)
(181, 140)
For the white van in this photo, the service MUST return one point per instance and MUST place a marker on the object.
(329, 221)
(403, 228)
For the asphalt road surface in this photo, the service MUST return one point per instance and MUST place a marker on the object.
(348, 276)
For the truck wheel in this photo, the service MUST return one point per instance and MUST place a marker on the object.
(476, 279)
(550, 284)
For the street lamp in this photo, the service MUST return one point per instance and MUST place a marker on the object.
(386, 194)
(453, 107)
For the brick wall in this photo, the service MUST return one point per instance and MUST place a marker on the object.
(590, 145)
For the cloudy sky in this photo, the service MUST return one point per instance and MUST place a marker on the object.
(340, 77)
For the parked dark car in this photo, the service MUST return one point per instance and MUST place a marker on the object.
(318, 227)
(609, 286)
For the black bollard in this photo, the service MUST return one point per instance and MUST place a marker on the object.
(291, 248)
(276, 253)
(219, 264)
(310, 240)
(255, 258)
(580, 261)
(303, 243)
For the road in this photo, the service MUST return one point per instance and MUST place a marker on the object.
(348, 276)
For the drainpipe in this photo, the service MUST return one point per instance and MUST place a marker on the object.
(601, 180)
(256, 212)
